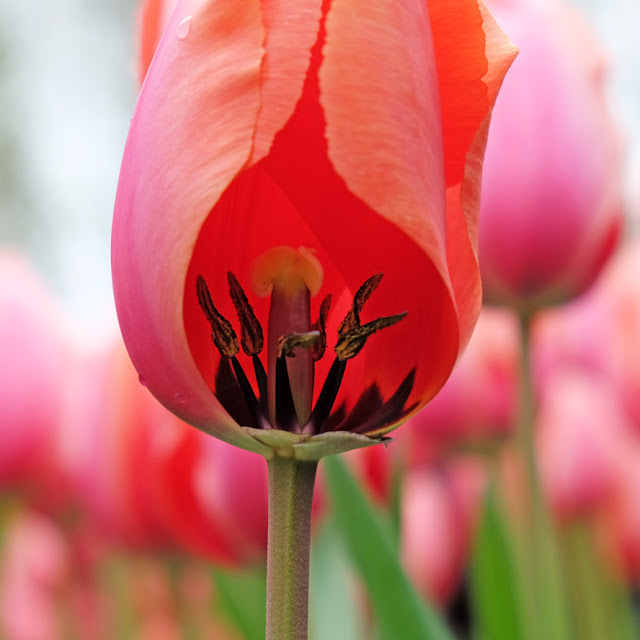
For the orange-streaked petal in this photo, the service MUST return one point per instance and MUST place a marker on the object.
(291, 28)
(151, 19)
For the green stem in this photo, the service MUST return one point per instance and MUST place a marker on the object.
(291, 484)
(543, 559)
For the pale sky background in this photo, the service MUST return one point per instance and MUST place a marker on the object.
(67, 92)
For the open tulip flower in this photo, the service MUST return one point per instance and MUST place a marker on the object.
(300, 175)
(275, 168)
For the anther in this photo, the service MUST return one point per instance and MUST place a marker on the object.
(320, 325)
(222, 333)
(251, 336)
(287, 344)
(350, 343)
(352, 319)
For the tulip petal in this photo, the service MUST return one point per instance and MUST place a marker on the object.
(384, 142)
(399, 169)
(184, 148)
(291, 29)
(151, 18)
(464, 154)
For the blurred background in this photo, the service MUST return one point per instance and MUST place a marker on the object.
(136, 568)
(67, 93)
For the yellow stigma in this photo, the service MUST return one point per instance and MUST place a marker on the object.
(288, 269)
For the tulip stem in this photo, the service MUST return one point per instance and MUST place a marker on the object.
(541, 542)
(291, 485)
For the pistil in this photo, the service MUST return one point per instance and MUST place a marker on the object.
(290, 277)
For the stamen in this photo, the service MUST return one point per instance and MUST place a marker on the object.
(351, 342)
(287, 344)
(222, 333)
(328, 395)
(261, 379)
(285, 408)
(249, 395)
(352, 319)
(251, 336)
(320, 325)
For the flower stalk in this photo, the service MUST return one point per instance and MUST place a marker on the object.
(291, 485)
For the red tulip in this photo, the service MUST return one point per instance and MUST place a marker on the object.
(264, 125)
(551, 194)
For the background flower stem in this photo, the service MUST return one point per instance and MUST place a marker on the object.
(539, 541)
(291, 485)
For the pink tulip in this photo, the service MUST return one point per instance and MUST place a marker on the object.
(264, 127)
(35, 564)
(582, 438)
(551, 193)
(478, 404)
(148, 482)
(439, 508)
(620, 526)
(599, 332)
(34, 359)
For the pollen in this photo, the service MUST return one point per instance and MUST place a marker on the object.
(288, 269)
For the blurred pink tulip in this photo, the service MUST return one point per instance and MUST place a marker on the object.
(34, 359)
(439, 508)
(599, 332)
(582, 439)
(143, 476)
(35, 565)
(551, 192)
(478, 403)
(620, 526)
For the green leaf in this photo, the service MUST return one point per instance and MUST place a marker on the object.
(400, 611)
(497, 603)
(332, 591)
(243, 596)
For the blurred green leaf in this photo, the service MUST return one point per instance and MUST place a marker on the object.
(398, 608)
(333, 613)
(243, 597)
(496, 601)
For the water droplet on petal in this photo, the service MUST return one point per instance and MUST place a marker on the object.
(179, 398)
(184, 27)
(142, 380)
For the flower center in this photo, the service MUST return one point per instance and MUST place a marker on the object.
(295, 344)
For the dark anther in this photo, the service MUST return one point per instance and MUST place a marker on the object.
(352, 319)
(285, 409)
(287, 344)
(249, 395)
(251, 332)
(222, 333)
(261, 379)
(350, 343)
(328, 394)
(392, 409)
(320, 325)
